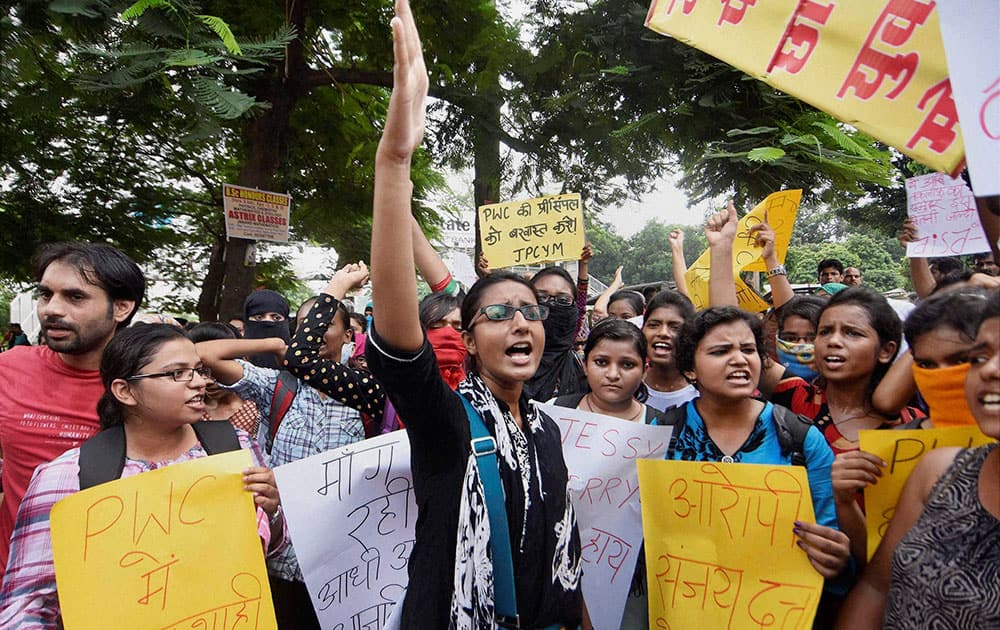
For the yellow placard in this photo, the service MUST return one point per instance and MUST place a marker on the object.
(901, 450)
(879, 66)
(170, 548)
(720, 552)
(779, 210)
(544, 229)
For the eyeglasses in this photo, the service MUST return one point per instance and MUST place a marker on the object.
(561, 300)
(181, 375)
(502, 312)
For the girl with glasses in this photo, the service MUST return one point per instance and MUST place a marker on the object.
(503, 332)
(154, 391)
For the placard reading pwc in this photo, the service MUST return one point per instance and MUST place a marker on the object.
(544, 229)
(254, 214)
(171, 548)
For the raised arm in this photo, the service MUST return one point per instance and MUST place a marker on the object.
(428, 262)
(220, 355)
(679, 265)
(781, 289)
(920, 269)
(604, 299)
(720, 231)
(896, 387)
(394, 285)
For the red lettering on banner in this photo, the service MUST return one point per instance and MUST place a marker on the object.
(892, 28)
(993, 93)
(938, 127)
(686, 9)
(733, 14)
(800, 37)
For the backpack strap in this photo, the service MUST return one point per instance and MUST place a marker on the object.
(672, 417)
(281, 400)
(792, 430)
(484, 447)
(102, 457)
(217, 437)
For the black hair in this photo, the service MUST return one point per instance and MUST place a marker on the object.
(210, 331)
(990, 309)
(701, 324)
(673, 299)
(125, 355)
(881, 317)
(616, 330)
(807, 307)
(946, 264)
(436, 306)
(829, 262)
(958, 310)
(950, 279)
(361, 319)
(471, 303)
(982, 256)
(554, 271)
(634, 298)
(102, 266)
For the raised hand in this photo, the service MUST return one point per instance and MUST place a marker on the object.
(618, 283)
(764, 237)
(676, 239)
(587, 254)
(909, 232)
(720, 229)
(404, 123)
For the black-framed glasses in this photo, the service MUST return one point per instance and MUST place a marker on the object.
(561, 300)
(502, 312)
(180, 375)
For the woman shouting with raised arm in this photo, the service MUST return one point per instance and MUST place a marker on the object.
(453, 582)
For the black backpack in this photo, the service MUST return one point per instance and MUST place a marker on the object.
(102, 457)
(792, 429)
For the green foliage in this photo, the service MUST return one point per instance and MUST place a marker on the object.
(222, 30)
(877, 257)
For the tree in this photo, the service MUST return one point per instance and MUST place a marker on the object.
(878, 258)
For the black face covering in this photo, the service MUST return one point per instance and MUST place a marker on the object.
(560, 371)
(258, 303)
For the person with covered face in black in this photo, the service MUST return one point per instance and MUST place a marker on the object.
(560, 371)
(265, 314)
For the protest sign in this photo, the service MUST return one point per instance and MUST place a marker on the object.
(720, 552)
(352, 516)
(878, 66)
(944, 212)
(975, 79)
(170, 548)
(544, 229)
(254, 214)
(901, 450)
(600, 454)
(778, 210)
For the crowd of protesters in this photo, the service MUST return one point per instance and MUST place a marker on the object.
(286, 388)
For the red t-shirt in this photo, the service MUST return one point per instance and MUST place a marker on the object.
(46, 408)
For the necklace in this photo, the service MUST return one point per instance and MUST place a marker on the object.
(586, 400)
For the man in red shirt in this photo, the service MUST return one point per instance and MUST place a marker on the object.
(49, 393)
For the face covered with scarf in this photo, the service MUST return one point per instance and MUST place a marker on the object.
(265, 315)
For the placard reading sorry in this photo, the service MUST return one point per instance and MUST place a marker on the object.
(171, 548)
(544, 229)
(901, 450)
(720, 552)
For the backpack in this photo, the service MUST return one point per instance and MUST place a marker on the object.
(792, 429)
(102, 457)
(281, 401)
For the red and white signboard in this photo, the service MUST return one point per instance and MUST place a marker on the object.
(254, 214)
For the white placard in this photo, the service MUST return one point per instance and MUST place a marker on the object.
(600, 455)
(351, 516)
(971, 35)
(944, 212)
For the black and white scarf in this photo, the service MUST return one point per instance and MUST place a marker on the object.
(540, 517)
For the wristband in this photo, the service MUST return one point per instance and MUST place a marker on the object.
(274, 518)
(777, 271)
